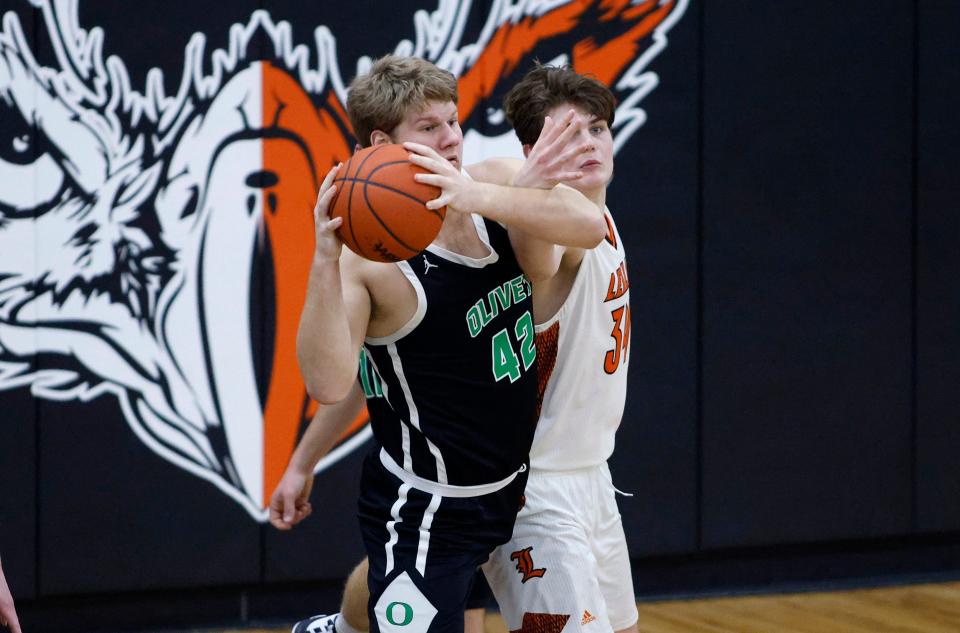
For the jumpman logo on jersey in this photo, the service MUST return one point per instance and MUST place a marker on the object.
(427, 265)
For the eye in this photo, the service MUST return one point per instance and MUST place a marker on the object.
(19, 146)
(32, 178)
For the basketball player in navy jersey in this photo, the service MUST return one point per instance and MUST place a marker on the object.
(580, 572)
(453, 344)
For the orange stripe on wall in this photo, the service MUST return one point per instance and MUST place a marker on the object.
(288, 219)
(607, 61)
(510, 44)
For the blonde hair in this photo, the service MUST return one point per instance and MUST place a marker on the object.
(381, 98)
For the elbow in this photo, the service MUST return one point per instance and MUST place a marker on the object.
(593, 233)
(537, 276)
(326, 387)
(543, 268)
(328, 392)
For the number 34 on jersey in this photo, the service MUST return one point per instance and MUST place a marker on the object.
(619, 284)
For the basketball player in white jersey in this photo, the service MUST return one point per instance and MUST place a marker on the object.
(567, 566)
(567, 561)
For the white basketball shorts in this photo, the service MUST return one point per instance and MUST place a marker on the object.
(567, 558)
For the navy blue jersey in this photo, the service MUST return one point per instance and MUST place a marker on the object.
(460, 377)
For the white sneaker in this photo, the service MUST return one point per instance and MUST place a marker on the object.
(317, 624)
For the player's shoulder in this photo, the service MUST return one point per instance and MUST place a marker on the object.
(497, 171)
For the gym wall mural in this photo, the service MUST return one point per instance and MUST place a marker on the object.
(155, 225)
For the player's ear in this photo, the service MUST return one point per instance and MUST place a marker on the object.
(526, 150)
(379, 137)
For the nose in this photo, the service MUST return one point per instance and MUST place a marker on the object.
(451, 135)
(262, 179)
(585, 138)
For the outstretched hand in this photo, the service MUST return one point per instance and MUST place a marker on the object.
(547, 163)
(328, 245)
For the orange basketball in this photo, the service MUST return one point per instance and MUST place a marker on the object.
(384, 211)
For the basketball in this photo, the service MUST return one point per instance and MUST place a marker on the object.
(384, 211)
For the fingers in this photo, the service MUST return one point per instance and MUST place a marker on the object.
(431, 179)
(289, 508)
(303, 511)
(579, 148)
(569, 176)
(561, 128)
(552, 129)
(424, 161)
(278, 523)
(326, 193)
(436, 164)
(330, 175)
(322, 211)
(328, 181)
(276, 512)
(440, 182)
(437, 203)
(547, 132)
(572, 125)
(420, 149)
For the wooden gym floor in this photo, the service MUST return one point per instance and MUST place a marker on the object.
(928, 608)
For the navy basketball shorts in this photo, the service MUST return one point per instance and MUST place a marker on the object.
(481, 597)
(424, 549)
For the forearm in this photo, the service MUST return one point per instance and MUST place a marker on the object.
(560, 215)
(326, 428)
(325, 352)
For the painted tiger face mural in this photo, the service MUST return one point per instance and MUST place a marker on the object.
(144, 235)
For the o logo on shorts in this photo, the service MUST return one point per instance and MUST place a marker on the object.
(407, 613)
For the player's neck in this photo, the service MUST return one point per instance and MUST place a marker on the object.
(458, 234)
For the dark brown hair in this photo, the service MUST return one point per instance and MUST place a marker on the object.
(381, 98)
(546, 87)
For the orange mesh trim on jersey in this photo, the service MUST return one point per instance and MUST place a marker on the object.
(542, 623)
(611, 234)
(546, 359)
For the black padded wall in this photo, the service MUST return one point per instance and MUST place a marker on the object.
(19, 501)
(806, 271)
(938, 267)
(654, 200)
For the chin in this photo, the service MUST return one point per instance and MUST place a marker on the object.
(593, 181)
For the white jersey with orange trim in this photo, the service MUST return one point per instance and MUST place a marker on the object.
(582, 354)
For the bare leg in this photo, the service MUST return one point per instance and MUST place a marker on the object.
(356, 595)
(629, 629)
(473, 621)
